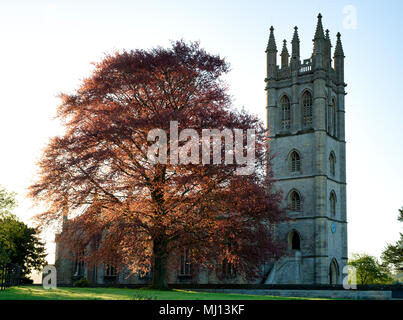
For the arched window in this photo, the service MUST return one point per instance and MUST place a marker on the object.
(294, 240)
(110, 270)
(329, 119)
(294, 163)
(285, 112)
(185, 265)
(295, 201)
(334, 117)
(332, 202)
(79, 264)
(332, 163)
(307, 109)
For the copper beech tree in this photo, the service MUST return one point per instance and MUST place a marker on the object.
(129, 211)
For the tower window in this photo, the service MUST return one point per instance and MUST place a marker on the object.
(294, 240)
(334, 117)
(295, 162)
(307, 109)
(332, 201)
(295, 201)
(285, 113)
(331, 116)
(332, 163)
(329, 119)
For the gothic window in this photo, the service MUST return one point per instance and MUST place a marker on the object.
(295, 201)
(332, 163)
(332, 201)
(79, 264)
(294, 240)
(185, 265)
(228, 269)
(78, 268)
(329, 119)
(307, 109)
(334, 117)
(294, 163)
(110, 270)
(285, 113)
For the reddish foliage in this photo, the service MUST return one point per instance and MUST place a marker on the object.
(133, 212)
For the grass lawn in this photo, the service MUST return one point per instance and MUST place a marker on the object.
(70, 293)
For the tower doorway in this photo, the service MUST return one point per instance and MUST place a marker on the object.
(333, 272)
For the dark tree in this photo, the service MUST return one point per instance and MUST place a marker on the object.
(19, 244)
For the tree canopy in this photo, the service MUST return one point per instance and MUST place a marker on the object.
(7, 202)
(19, 244)
(134, 212)
(369, 270)
(393, 254)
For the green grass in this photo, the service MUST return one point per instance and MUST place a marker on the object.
(70, 293)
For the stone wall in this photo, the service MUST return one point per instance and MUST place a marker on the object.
(326, 294)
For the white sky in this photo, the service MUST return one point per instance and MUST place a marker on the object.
(47, 47)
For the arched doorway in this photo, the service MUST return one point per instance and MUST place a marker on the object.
(333, 272)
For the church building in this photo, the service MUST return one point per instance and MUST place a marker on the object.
(305, 118)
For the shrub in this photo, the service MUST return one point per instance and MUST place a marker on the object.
(81, 283)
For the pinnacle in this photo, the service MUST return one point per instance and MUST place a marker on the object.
(319, 34)
(338, 51)
(328, 37)
(284, 51)
(271, 46)
(295, 36)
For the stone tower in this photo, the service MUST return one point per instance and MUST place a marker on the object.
(305, 118)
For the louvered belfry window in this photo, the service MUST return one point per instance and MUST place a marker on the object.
(334, 118)
(285, 113)
(330, 120)
(295, 162)
(307, 109)
(295, 201)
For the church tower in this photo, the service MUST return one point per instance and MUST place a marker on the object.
(305, 118)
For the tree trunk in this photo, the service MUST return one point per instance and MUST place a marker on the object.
(160, 265)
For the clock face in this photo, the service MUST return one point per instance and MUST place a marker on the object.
(333, 227)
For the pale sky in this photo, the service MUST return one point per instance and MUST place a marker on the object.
(47, 48)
